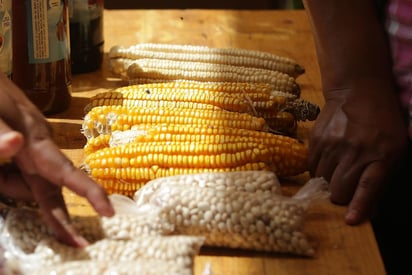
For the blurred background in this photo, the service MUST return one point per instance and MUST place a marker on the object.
(208, 4)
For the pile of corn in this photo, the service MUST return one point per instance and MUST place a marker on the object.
(192, 109)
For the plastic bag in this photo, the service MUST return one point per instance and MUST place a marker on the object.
(238, 219)
(132, 234)
(247, 181)
(140, 266)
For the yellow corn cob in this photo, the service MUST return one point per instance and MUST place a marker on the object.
(219, 135)
(128, 167)
(231, 56)
(129, 187)
(231, 96)
(137, 95)
(257, 99)
(189, 133)
(184, 133)
(140, 162)
(105, 119)
(281, 123)
(116, 98)
(96, 143)
(200, 71)
(174, 154)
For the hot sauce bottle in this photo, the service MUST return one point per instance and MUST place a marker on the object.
(41, 53)
(86, 35)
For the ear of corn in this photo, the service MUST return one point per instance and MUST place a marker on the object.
(178, 133)
(123, 98)
(256, 99)
(105, 119)
(145, 174)
(184, 149)
(176, 154)
(96, 143)
(183, 133)
(124, 169)
(231, 56)
(199, 71)
(135, 95)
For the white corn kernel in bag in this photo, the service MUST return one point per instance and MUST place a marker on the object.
(24, 228)
(239, 219)
(132, 234)
(164, 251)
(248, 181)
(139, 266)
(180, 249)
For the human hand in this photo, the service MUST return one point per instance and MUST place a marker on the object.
(356, 144)
(38, 169)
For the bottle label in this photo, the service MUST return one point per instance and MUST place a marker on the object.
(5, 37)
(48, 33)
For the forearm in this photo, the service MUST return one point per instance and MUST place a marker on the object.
(350, 42)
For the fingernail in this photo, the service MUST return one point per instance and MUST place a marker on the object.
(81, 242)
(352, 217)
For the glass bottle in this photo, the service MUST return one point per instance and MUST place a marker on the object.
(86, 35)
(6, 37)
(41, 53)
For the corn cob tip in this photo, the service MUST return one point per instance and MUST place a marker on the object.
(114, 51)
(296, 90)
(299, 70)
(303, 110)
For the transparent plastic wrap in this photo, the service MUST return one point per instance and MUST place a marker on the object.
(134, 234)
(140, 266)
(237, 219)
(258, 182)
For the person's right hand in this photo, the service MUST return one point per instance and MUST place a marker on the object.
(356, 143)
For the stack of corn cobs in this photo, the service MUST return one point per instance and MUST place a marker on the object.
(193, 109)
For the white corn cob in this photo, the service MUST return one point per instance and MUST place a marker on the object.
(230, 56)
(170, 70)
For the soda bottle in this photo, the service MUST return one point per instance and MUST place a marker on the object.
(86, 35)
(41, 53)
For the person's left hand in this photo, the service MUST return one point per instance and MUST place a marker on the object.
(356, 144)
(38, 169)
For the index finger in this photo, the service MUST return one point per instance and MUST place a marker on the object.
(54, 211)
(44, 158)
(367, 193)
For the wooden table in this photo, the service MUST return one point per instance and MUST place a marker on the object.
(341, 249)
